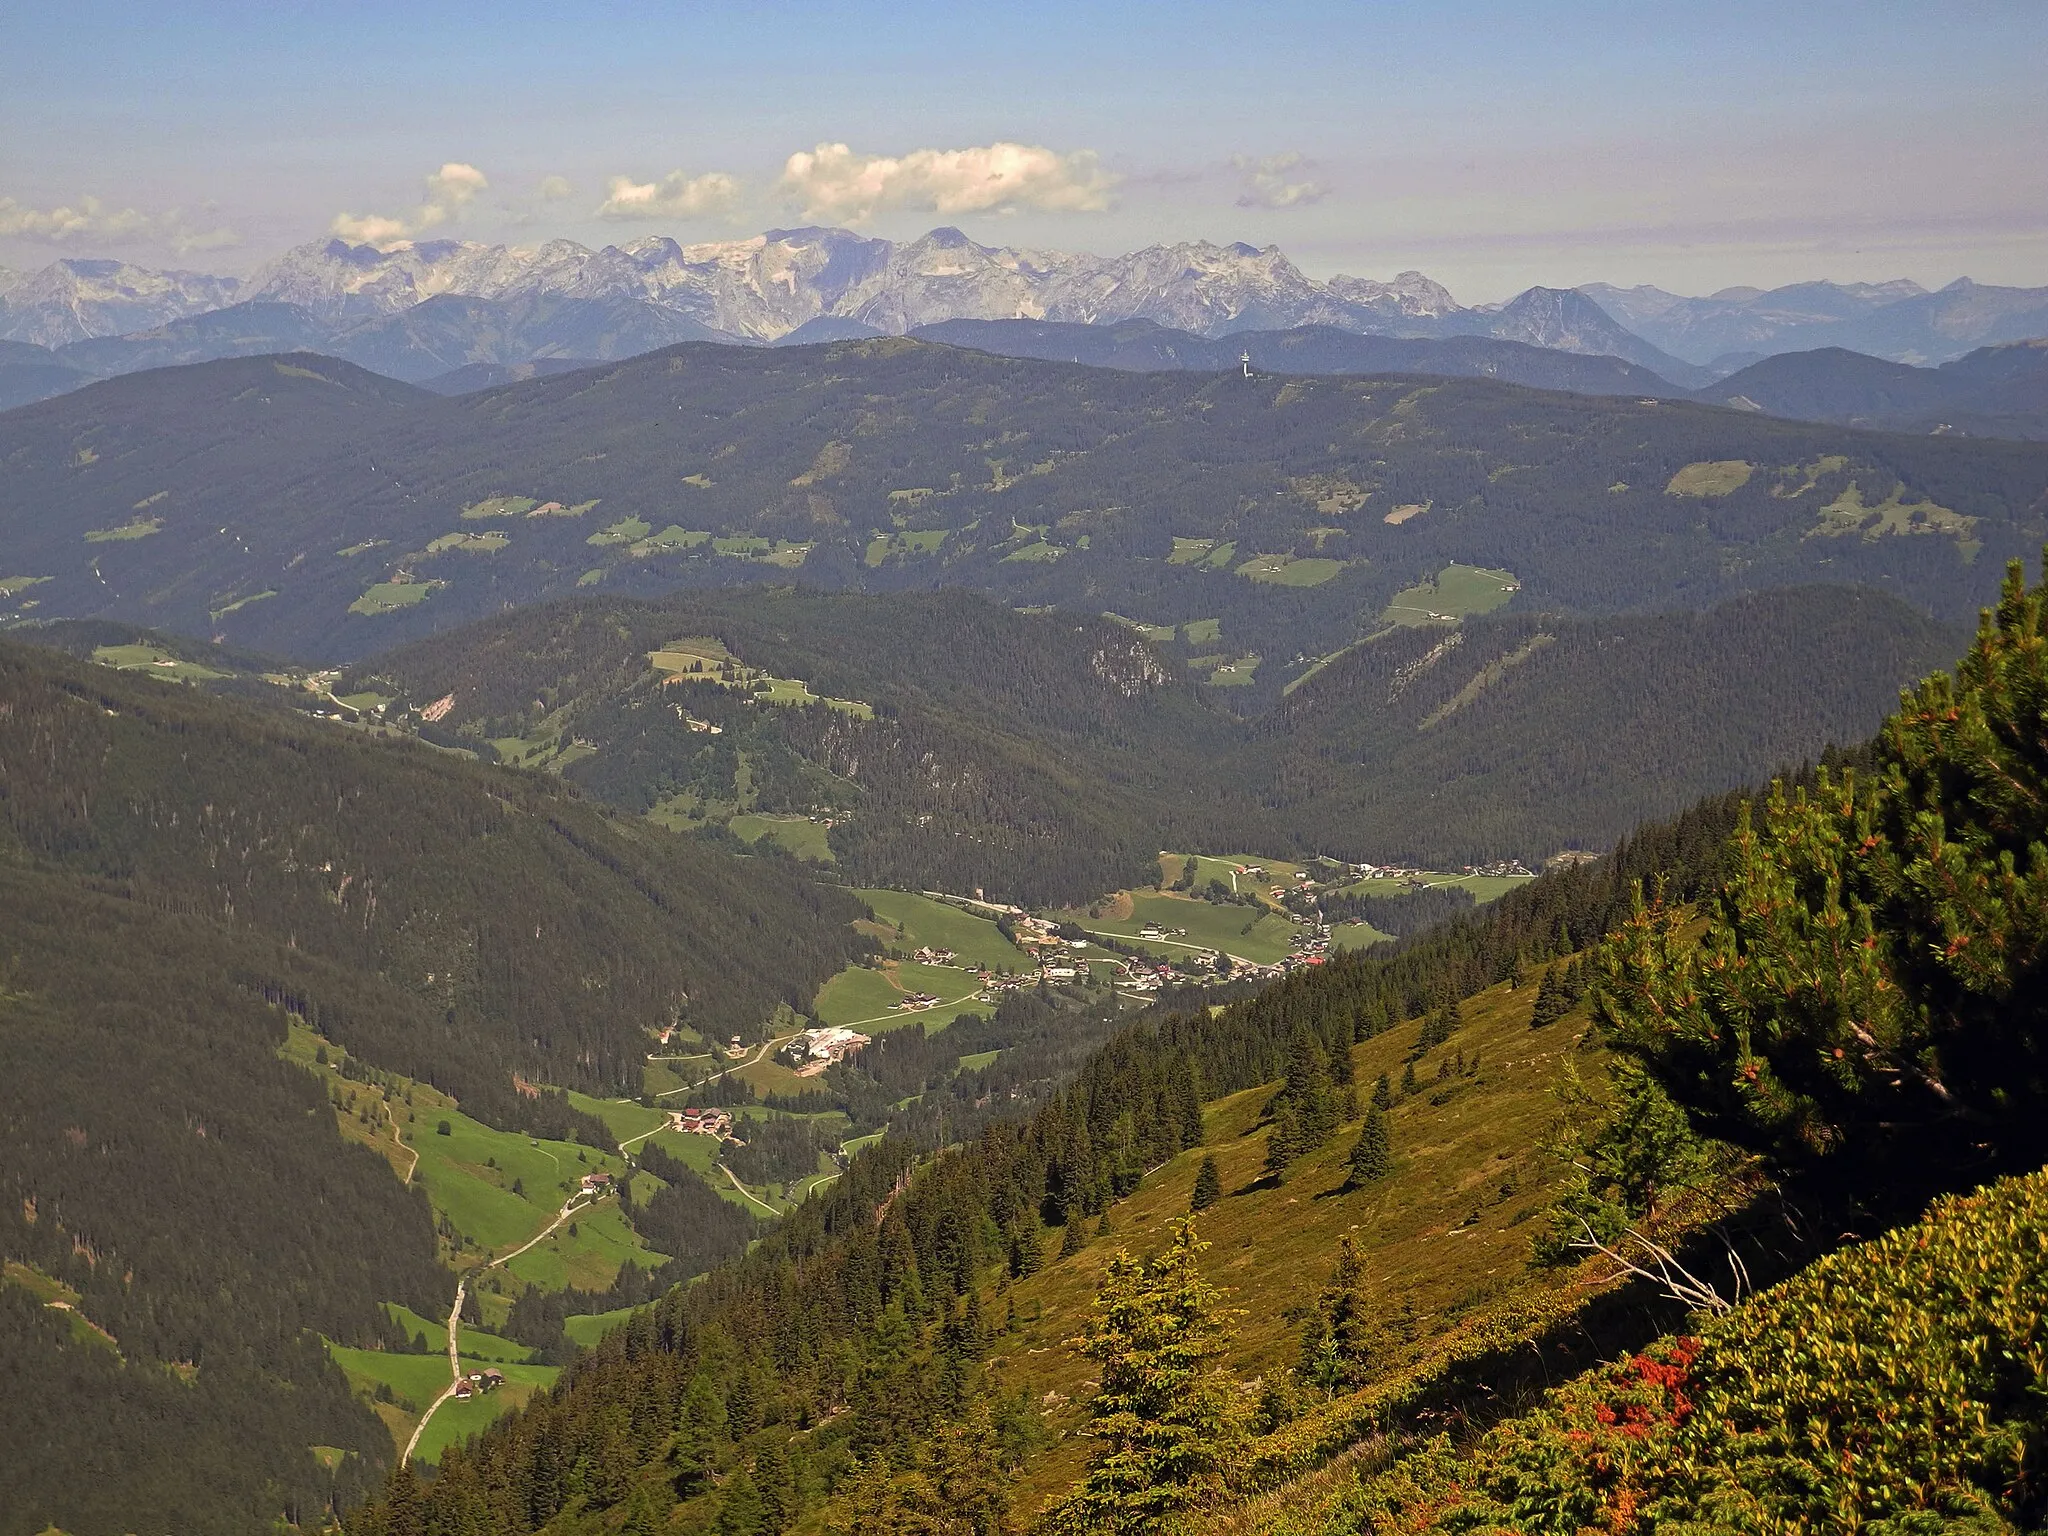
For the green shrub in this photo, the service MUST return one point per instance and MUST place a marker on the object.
(1896, 1386)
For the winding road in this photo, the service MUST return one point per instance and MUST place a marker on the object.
(570, 1207)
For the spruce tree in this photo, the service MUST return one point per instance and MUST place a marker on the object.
(777, 1487)
(1336, 1345)
(1075, 1237)
(1408, 1084)
(1283, 1144)
(741, 1510)
(1383, 1093)
(1167, 1422)
(1372, 1157)
(1208, 1186)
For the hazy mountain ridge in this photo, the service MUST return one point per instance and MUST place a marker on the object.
(1998, 391)
(308, 507)
(1899, 320)
(763, 288)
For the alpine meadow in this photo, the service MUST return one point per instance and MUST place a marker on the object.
(784, 773)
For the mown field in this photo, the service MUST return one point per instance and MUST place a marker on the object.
(866, 997)
(1257, 934)
(921, 922)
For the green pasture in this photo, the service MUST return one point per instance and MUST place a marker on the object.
(240, 603)
(154, 661)
(866, 998)
(14, 586)
(587, 1328)
(1202, 631)
(359, 549)
(1459, 591)
(1228, 671)
(1356, 936)
(457, 1420)
(1710, 477)
(1484, 888)
(460, 1179)
(591, 1257)
(1203, 552)
(499, 506)
(134, 528)
(940, 925)
(477, 543)
(905, 545)
(390, 596)
(803, 837)
(417, 1380)
(668, 540)
(1034, 553)
(473, 1342)
(1244, 933)
(1850, 513)
(627, 530)
(624, 1121)
(1286, 571)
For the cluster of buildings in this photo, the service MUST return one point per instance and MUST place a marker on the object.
(476, 1383)
(813, 1050)
(932, 955)
(701, 1122)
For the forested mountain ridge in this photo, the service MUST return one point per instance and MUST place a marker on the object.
(1752, 1093)
(179, 877)
(303, 507)
(1047, 758)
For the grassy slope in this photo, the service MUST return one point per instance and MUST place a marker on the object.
(867, 998)
(1447, 1233)
(942, 926)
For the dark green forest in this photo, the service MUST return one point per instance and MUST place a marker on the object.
(1047, 758)
(180, 498)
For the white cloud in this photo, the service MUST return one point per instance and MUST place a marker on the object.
(1269, 183)
(91, 219)
(554, 188)
(675, 196)
(832, 182)
(448, 191)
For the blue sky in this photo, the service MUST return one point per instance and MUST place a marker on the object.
(1490, 145)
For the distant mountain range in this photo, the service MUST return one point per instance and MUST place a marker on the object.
(1899, 321)
(457, 316)
(503, 304)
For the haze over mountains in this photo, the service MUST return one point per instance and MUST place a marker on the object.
(461, 315)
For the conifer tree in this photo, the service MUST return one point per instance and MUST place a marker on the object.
(1868, 996)
(777, 1486)
(1372, 1157)
(1208, 1186)
(1382, 1093)
(948, 1483)
(1076, 1236)
(1167, 1422)
(1336, 1346)
(741, 1510)
(693, 1449)
(1283, 1144)
(1409, 1086)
